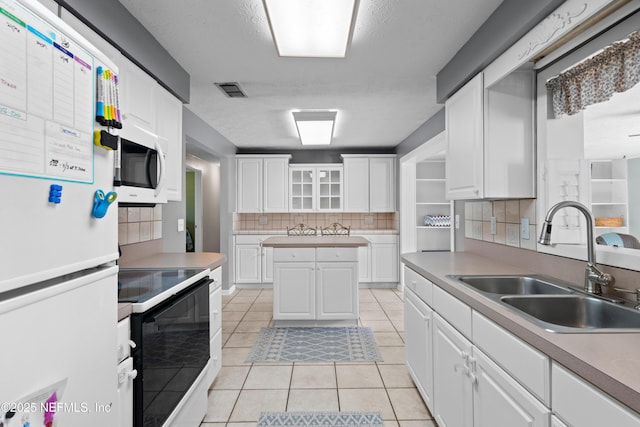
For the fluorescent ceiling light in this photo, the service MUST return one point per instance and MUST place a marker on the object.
(311, 28)
(315, 127)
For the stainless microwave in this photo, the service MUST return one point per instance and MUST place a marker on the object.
(139, 176)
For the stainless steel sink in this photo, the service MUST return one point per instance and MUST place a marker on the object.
(512, 285)
(575, 313)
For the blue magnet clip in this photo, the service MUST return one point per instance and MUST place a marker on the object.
(55, 193)
(102, 202)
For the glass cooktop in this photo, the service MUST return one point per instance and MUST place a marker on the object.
(140, 285)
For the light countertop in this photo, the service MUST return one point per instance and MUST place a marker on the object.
(210, 260)
(610, 361)
(284, 232)
(315, 242)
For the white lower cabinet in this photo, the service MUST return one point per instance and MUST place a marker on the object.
(248, 263)
(253, 263)
(462, 385)
(471, 390)
(499, 401)
(215, 325)
(579, 404)
(419, 344)
(336, 290)
(380, 258)
(452, 376)
(294, 290)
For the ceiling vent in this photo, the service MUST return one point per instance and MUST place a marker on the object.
(231, 89)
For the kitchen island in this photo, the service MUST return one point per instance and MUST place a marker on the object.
(315, 280)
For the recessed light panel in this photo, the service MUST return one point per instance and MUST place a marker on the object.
(315, 128)
(311, 28)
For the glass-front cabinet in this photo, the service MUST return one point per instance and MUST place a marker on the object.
(315, 188)
(301, 189)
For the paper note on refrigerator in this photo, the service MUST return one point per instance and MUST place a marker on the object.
(46, 99)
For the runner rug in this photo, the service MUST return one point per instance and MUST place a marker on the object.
(320, 419)
(316, 344)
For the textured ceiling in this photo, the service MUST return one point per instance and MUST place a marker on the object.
(383, 90)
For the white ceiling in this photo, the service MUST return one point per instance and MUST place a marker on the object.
(383, 90)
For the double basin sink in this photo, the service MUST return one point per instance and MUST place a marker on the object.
(552, 305)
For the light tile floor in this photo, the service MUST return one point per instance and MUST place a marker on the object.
(243, 390)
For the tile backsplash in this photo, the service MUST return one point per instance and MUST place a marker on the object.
(509, 215)
(139, 224)
(280, 221)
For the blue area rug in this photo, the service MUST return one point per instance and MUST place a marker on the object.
(320, 419)
(315, 344)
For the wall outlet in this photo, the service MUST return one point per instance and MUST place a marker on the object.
(263, 220)
(180, 224)
(494, 225)
(368, 219)
(524, 228)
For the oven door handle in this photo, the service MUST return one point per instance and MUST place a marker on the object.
(170, 303)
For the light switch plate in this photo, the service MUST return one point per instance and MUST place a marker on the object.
(524, 228)
(181, 224)
(263, 220)
(457, 222)
(494, 225)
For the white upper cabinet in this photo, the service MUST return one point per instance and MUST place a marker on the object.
(369, 183)
(315, 187)
(276, 182)
(356, 184)
(138, 99)
(465, 157)
(490, 149)
(509, 149)
(382, 184)
(262, 183)
(249, 184)
(169, 130)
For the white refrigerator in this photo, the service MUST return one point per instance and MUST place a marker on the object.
(58, 278)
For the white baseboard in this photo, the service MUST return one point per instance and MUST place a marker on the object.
(229, 291)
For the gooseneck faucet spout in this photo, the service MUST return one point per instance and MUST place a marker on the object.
(593, 277)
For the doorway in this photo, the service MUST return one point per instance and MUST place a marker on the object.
(193, 188)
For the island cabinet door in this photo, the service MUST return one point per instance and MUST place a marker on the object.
(294, 290)
(337, 290)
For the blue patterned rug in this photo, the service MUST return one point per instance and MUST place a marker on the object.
(315, 344)
(320, 419)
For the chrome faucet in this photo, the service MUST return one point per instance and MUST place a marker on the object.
(593, 277)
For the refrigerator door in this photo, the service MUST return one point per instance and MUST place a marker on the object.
(61, 339)
(46, 138)
(43, 240)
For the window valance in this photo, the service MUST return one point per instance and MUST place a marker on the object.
(615, 69)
